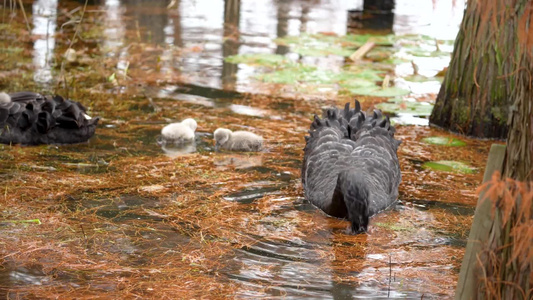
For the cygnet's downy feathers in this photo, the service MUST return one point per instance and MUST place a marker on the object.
(181, 132)
(31, 119)
(237, 141)
(350, 168)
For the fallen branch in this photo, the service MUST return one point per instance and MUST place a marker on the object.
(362, 51)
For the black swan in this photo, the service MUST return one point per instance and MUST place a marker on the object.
(350, 168)
(32, 119)
(237, 141)
(182, 132)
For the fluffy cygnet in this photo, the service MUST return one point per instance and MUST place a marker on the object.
(180, 132)
(238, 140)
(4, 98)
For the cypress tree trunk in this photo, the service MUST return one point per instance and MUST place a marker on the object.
(498, 262)
(518, 162)
(519, 156)
(482, 79)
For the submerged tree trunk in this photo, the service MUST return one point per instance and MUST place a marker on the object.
(488, 68)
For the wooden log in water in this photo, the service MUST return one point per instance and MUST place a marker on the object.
(468, 277)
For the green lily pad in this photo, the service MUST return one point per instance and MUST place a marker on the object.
(381, 40)
(311, 40)
(355, 83)
(323, 44)
(367, 74)
(423, 38)
(424, 53)
(449, 166)
(379, 54)
(415, 37)
(317, 45)
(377, 91)
(414, 108)
(300, 73)
(395, 61)
(443, 141)
(262, 59)
(323, 51)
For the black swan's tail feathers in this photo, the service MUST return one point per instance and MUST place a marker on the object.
(351, 123)
(355, 123)
(31, 118)
(349, 113)
(330, 119)
(316, 123)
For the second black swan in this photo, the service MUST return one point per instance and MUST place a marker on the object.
(350, 168)
(30, 118)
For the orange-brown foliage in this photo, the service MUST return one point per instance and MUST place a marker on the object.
(507, 269)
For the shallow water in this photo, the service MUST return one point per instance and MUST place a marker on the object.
(122, 217)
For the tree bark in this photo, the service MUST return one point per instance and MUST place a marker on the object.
(518, 162)
(484, 74)
(483, 88)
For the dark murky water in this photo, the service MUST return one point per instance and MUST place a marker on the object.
(292, 250)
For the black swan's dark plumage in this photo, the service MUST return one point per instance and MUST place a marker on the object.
(350, 167)
(31, 119)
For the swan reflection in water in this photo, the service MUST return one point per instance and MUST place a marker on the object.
(174, 149)
(238, 161)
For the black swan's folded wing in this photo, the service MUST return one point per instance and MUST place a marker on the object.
(31, 118)
(349, 140)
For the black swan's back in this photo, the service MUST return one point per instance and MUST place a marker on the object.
(350, 167)
(31, 119)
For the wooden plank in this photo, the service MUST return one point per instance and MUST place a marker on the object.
(362, 51)
(468, 277)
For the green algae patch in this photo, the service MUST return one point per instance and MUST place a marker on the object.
(260, 59)
(443, 141)
(415, 108)
(449, 166)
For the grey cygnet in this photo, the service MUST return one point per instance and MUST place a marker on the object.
(237, 141)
